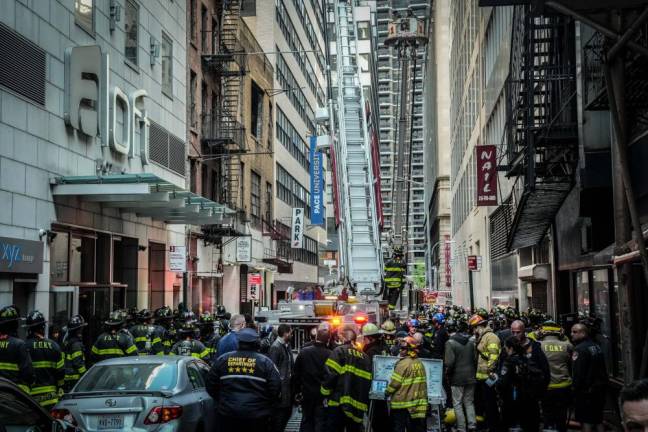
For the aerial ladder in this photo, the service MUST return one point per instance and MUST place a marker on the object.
(360, 248)
(406, 34)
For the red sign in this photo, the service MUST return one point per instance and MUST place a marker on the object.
(448, 257)
(254, 279)
(486, 175)
(472, 262)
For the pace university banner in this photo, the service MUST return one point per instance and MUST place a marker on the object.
(316, 184)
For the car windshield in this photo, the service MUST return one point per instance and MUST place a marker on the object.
(129, 377)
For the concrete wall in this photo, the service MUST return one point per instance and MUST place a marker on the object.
(36, 145)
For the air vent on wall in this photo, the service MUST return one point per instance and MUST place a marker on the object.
(166, 149)
(22, 68)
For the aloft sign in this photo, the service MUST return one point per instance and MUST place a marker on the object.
(96, 109)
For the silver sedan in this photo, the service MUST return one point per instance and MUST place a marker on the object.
(146, 393)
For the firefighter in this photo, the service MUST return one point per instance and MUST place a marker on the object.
(558, 351)
(407, 390)
(74, 351)
(488, 349)
(208, 336)
(394, 277)
(113, 342)
(163, 323)
(48, 362)
(388, 330)
(187, 345)
(372, 340)
(346, 384)
(143, 333)
(15, 361)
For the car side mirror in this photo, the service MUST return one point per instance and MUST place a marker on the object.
(63, 426)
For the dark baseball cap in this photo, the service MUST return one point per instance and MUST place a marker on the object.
(247, 335)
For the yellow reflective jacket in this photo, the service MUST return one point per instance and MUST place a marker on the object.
(488, 351)
(408, 387)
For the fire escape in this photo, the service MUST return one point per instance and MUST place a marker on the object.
(223, 131)
(542, 147)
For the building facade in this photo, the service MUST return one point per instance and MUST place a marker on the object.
(389, 70)
(294, 43)
(436, 107)
(230, 141)
(92, 133)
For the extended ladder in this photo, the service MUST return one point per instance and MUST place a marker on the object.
(359, 234)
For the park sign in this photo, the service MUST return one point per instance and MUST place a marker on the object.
(297, 232)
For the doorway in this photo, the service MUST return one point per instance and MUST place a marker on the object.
(95, 305)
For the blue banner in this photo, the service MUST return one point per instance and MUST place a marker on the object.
(316, 184)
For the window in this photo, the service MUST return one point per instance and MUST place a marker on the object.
(214, 36)
(84, 14)
(192, 23)
(203, 28)
(363, 31)
(364, 62)
(131, 24)
(167, 65)
(255, 198)
(195, 378)
(256, 119)
(268, 202)
(203, 98)
(291, 139)
(242, 186)
(290, 191)
(192, 99)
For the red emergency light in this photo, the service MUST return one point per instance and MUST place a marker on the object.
(361, 319)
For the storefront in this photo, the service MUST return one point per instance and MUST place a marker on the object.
(21, 266)
(121, 258)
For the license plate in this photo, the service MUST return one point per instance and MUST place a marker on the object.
(110, 422)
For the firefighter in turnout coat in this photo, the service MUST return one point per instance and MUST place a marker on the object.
(407, 390)
(75, 365)
(48, 362)
(346, 384)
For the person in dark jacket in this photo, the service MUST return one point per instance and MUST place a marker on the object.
(440, 337)
(15, 361)
(346, 384)
(48, 362)
(460, 366)
(523, 380)
(229, 342)
(244, 385)
(308, 377)
(281, 355)
(74, 350)
(373, 346)
(589, 379)
(113, 342)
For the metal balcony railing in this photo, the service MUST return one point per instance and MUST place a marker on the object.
(220, 130)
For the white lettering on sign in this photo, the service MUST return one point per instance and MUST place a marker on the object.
(297, 235)
(95, 110)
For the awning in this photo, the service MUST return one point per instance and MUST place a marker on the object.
(146, 195)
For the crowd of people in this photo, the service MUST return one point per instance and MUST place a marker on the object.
(502, 370)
